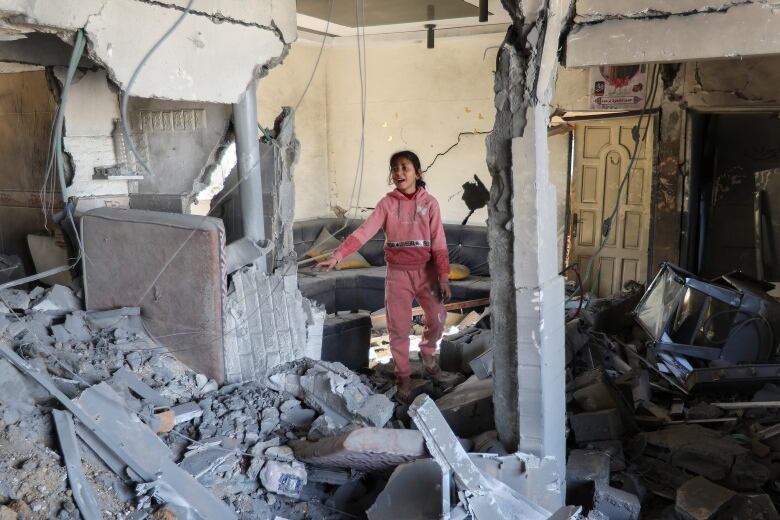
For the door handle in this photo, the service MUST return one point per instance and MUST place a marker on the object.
(574, 225)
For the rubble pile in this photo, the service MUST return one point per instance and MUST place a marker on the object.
(669, 418)
(651, 429)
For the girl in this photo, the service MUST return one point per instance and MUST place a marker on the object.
(417, 263)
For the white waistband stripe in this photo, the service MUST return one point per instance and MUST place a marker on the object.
(409, 243)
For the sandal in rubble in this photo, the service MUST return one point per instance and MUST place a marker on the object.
(404, 390)
(430, 366)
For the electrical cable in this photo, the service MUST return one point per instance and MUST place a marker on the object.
(606, 226)
(319, 55)
(126, 94)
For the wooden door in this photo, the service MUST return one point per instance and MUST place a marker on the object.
(602, 150)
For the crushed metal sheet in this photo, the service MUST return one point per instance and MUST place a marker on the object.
(82, 493)
(485, 497)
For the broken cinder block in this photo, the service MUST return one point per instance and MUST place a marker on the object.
(283, 478)
(700, 499)
(604, 425)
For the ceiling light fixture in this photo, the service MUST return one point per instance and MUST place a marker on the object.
(483, 10)
(430, 28)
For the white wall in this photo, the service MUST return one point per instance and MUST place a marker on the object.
(418, 99)
(283, 87)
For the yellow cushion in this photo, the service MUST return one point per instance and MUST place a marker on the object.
(459, 272)
(325, 244)
(353, 261)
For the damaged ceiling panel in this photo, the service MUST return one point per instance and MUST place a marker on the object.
(183, 68)
(744, 29)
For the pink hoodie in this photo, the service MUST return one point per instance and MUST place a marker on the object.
(414, 233)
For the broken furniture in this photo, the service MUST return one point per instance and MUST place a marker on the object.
(346, 338)
(169, 265)
(364, 288)
(731, 320)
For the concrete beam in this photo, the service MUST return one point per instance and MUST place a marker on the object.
(747, 29)
(589, 11)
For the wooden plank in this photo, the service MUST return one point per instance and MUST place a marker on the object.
(378, 318)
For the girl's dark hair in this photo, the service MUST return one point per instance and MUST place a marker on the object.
(412, 158)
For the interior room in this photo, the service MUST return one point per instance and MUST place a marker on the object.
(380, 259)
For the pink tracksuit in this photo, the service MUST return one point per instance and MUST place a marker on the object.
(417, 261)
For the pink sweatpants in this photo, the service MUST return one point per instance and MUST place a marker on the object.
(401, 288)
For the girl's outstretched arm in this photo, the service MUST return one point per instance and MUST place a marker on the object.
(362, 234)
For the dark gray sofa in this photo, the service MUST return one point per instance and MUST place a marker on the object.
(352, 289)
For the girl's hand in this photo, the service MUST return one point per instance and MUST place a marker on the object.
(326, 265)
(445, 293)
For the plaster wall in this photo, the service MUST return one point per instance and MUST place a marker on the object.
(283, 87)
(417, 99)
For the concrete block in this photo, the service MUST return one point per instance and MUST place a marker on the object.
(410, 493)
(58, 300)
(751, 505)
(15, 299)
(603, 425)
(364, 449)
(617, 504)
(283, 478)
(457, 350)
(333, 389)
(700, 499)
(468, 409)
(617, 459)
(586, 471)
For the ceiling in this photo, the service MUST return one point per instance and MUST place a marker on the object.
(397, 17)
(388, 12)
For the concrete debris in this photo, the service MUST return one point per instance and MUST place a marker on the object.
(364, 449)
(333, 389)
(700, 499)
(408, 493)
(483, 496)
(14, 300)
(603, 425)
(468, 409)
(458, 350)
(11, 268)
(268, 322)
(283, 478)
(57, 301)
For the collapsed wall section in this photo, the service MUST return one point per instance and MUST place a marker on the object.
(210, 57)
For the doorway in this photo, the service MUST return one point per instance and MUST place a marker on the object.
(734, 195)
(602, 153)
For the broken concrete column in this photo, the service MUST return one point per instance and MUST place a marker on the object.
(669, 186)
(526, 292)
